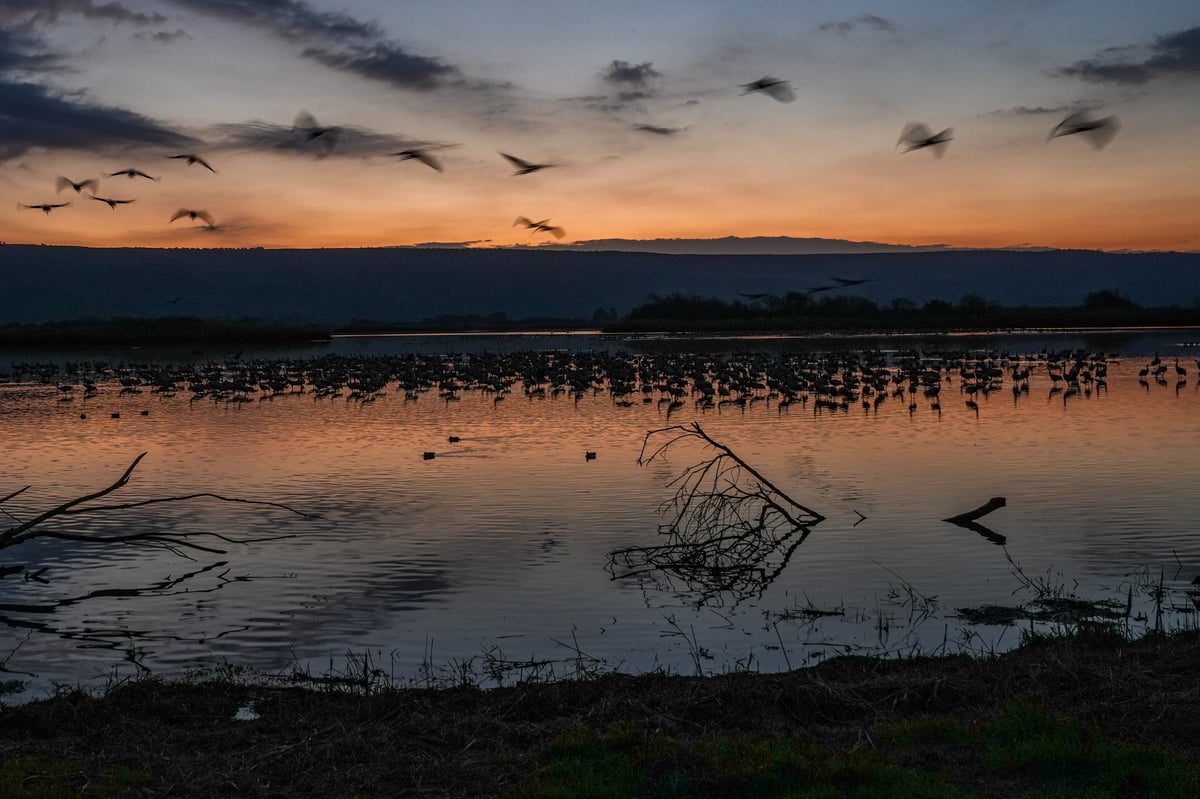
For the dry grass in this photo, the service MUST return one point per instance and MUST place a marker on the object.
(474, 743)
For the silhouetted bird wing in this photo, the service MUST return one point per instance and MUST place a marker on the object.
(422, 156)
(111, 202)
(131, 174)
(192, 158)
(772, 87)
(523, 220)
(518, 163)
(192, 213)
(917, 136)
(62, 183)
(1098, 132)
(849, 281)
(753, 296)
(553, 230)
(42, 206)
(522, 166)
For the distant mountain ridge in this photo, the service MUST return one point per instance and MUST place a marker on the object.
(739, 245)
(408, 284)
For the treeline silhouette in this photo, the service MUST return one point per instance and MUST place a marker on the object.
(799, 311)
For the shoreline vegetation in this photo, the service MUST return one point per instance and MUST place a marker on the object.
(795, 313)
(1093, 713)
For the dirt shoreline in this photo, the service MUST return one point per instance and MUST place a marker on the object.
(185, 739)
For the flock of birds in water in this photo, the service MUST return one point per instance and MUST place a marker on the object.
(826, 382)
(322, 140)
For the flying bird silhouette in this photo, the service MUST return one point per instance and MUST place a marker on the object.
(192, 158)
(194, 214)
(772, 87)
(524, 167)
(848, 281)
(111, 202)
(754, 297)
(541, 226)
(324, 138)
(1098, 132)
(90, 183)
(131, 174)
(917, 136)
(419, 155)
(46, 207)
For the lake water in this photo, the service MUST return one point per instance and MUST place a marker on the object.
(498, 547)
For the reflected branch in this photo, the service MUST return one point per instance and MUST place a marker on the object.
(730, 532)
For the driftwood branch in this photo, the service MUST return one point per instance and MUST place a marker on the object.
(969, 521)
(731, 531)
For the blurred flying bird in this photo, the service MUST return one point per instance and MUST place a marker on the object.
(131, 174)
(849, 281)
(325, 138)
(62, 183)
(753, 297)
(47, 207)
(1098, 132)
(524, 167)
(772, 87)
(419, 155)
(541, 226)
(111, 202)
(194, 214)
(917, 136)
(192, 158)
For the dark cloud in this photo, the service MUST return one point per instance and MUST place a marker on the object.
(623, 73)
(32, 117)
(1169, 55)
(164, 37)
(388, 64)
(291, 19)
(36, 12)
(657, 130)
(1024, 110)
(21, 53)
(871, 21)
(337, 40)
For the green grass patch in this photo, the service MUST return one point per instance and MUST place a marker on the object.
(1069, 759)
(48, 777)
(1048, 757)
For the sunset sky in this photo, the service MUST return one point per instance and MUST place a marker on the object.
(638, 105)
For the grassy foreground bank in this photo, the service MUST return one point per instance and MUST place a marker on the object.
(1094, 715)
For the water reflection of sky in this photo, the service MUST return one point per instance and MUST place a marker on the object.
(502, 538)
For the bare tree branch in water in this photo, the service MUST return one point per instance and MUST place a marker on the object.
(176, 542)
(40, 527)
(731, 530)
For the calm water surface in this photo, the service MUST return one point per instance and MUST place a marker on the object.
(499, 543)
